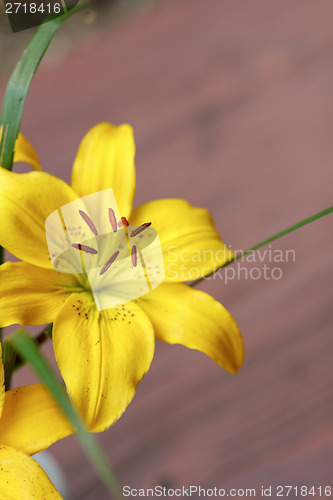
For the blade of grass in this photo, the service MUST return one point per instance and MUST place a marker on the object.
(18, 87)
(276, 236)
(27, 348)
(19, 83)
(8, 359)
(12, 361)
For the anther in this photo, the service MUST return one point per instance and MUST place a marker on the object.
(113, 220)
(139, 229)
(89, 222)
(134, 256)
(109, 262)
(84, 248)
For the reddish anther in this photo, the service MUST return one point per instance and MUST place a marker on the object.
(113, 220)
(139, 229)
(134, 255)
(84, 248)
(89, 222)
(123, 222)
(109, 262)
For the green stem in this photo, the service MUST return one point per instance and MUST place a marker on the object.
(8, 358)
(290, 229)
(12, 361)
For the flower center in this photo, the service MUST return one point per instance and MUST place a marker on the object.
(133, 250)
(112, 260)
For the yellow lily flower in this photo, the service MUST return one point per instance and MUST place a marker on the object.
(30, 421)
(103, 355)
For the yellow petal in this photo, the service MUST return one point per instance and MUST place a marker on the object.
(23, 151)
(32, 420)
(26, 153)
(102, 356)
(105, 159)
(2, 383)
(191, 246)
(26, 200)
(31, 295)
(22, 478)
(182, 315)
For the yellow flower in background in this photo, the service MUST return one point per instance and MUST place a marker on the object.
(30, 421)
(103, 355)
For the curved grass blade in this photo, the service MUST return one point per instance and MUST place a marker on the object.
(19, 83)
(18, 86)
(276, 236)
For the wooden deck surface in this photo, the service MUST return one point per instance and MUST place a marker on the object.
(232, 108)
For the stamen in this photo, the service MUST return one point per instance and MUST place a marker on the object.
(134, 256)
(89, 222)
(123, 222)
(109, 262)
(84, 248)
(139, 229)
(113, 220)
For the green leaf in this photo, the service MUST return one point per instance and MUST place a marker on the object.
(8, 359)
(19, 83)
(18, 86)
(27, 348)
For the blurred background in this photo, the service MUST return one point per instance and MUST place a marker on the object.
(232, 109)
